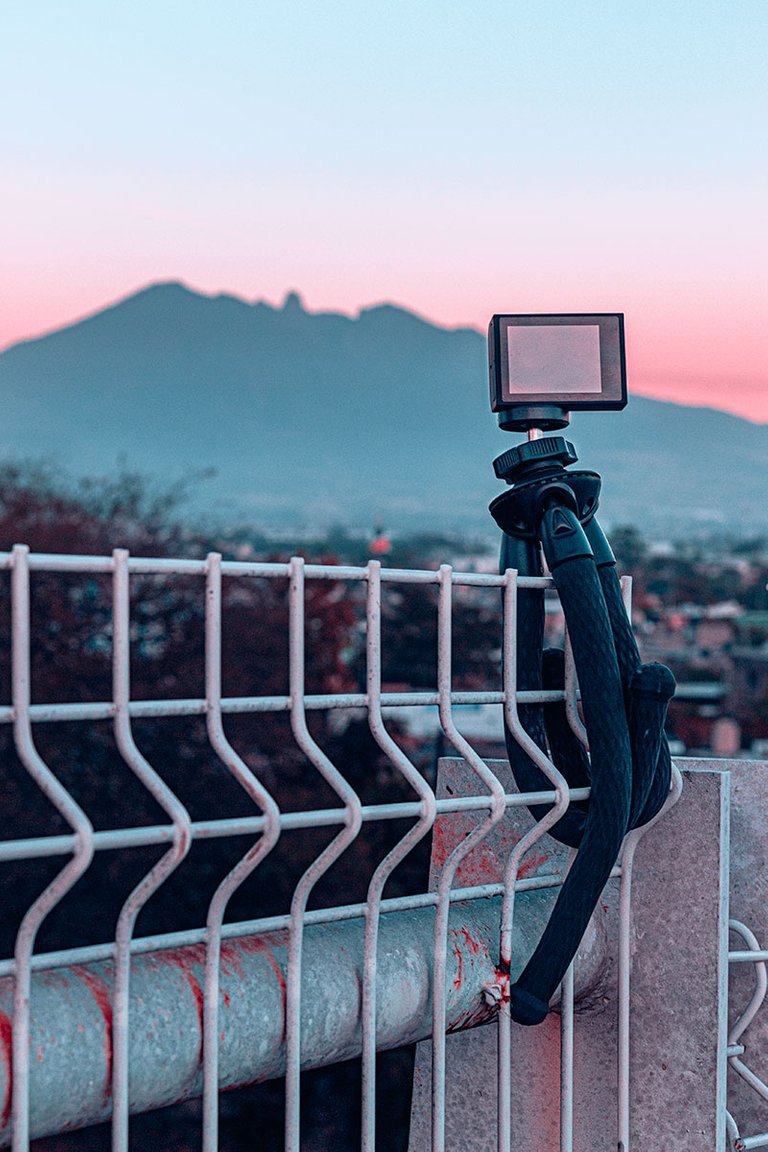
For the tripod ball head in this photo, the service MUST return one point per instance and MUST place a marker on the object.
(536, 473)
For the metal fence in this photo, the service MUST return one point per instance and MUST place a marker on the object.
(751, 954)
(108, 1047)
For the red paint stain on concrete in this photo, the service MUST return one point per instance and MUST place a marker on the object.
(255, 945)
(532, 864)
(502, 975)
(440, 847)
(53, 980)
(97, 986)
(459, 977)
(473, 945)
(481, 866)
(471, 1018)
(190, 960)
(6, 1034)
(185, 960)
(180, 957)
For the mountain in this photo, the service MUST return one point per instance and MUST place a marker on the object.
(320, 418)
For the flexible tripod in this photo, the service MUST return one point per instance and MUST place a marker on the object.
(548, 508)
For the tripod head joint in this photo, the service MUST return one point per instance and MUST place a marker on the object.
(536, 472)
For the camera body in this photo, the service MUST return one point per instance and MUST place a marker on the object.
(543, 366)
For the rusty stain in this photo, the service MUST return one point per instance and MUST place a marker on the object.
(6, 1034)
(39, 1053)
(97, 986)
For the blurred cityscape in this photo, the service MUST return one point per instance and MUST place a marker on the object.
(700, 606)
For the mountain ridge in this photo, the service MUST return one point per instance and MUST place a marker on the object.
(321, 416)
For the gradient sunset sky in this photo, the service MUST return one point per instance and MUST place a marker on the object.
(456, 158)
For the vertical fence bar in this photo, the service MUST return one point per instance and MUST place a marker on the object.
(513, 723)
(566, 1053)
(167, 863)
(387, 866)
(240, 772)
(496, 800)
(625, 896)
(71, 812)
(566, 1062)
(625, 956)
(318, 867)
(571, 686)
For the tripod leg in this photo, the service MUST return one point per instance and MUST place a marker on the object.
(573, 570)
(648, 688)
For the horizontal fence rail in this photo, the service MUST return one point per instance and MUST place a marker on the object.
(71, 1008)
(107, 1012)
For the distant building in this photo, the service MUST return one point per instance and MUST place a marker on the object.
(380, 545)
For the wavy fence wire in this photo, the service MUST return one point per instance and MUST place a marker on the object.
(110, 817)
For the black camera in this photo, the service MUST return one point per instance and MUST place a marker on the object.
(542, 367)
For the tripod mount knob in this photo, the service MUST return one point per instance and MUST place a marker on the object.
(532, 456)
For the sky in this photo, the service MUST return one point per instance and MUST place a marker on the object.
(457, 158)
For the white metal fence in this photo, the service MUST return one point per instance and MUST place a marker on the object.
(112, 634)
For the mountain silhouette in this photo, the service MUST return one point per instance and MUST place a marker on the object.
(314, 418)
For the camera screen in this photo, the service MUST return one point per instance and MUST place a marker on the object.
(571, 361)
(554, 358)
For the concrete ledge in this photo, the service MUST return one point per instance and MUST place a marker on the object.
(678, 1005)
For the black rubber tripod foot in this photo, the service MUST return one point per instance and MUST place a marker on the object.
(525, 1008)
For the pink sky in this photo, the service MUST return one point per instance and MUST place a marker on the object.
(591, 157)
